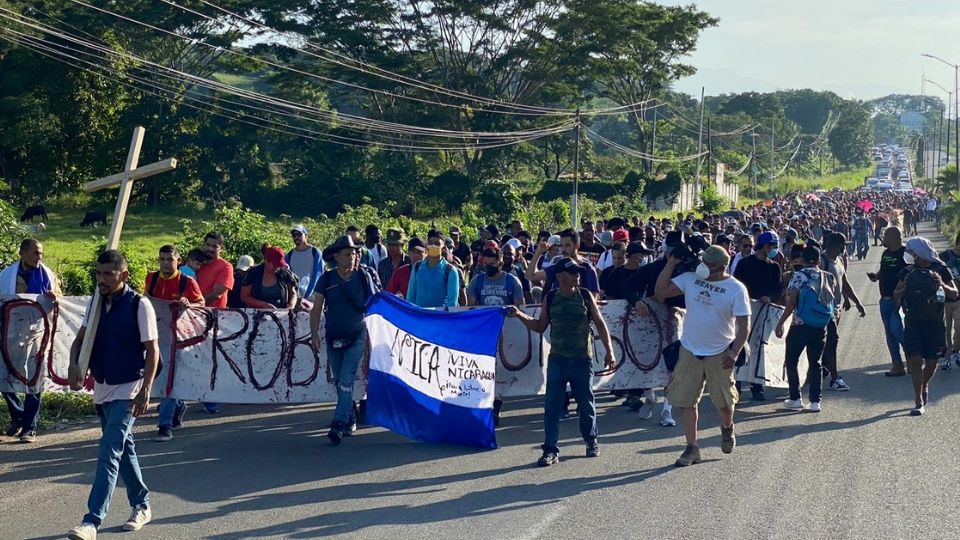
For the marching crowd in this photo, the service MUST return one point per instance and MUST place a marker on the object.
(790, 250)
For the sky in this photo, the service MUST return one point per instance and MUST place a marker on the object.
(857, 48)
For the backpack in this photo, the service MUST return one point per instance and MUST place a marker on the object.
(809, 308)
(156, 277)
(920, 296)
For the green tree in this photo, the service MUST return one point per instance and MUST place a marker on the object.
(850, 141)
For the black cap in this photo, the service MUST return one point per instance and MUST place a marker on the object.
(811, 255)
(616, 223)
(415, 243)
(722, 239)
(637, 247)
(674, 239)
(566, 264)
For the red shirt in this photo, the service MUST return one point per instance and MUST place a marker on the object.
(399, 281)
(216, 272)
(169, 288)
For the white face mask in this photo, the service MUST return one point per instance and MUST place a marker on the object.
(908, 258)
(703, 271)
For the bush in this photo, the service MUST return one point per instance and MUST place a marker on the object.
(634, 183)
(563, 189)
(58, 407)
(76, 279)
(711, 201)
(11, 233)
(243, 230)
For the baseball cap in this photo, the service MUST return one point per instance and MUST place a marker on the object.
(768, 238)
(300, 229)
(416, 243)
(274, 255)
(716, 255)
(566, 264)
(454, 230)
(491, 252)
(637, 247)
(810, 254)
(554, 240)
(620, 235)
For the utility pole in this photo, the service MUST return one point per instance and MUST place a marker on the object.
(753, 161)
(936, 164)
(576, 174)
(772, 133)
(653, 145)
(948, 134)
(956, 114)
(709, 151)
(696, 180)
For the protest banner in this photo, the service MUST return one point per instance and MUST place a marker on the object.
(765, 364)
(264, 356)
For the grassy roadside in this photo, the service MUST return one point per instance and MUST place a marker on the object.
(58, 408)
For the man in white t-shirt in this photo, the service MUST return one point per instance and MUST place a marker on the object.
(715, 329)
(123, 361)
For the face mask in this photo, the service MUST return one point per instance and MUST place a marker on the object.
(773, 253)
(433, 251)
(908, 258)
(491, 270)
(703, 271)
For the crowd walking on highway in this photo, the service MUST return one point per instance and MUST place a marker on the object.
(792, 250)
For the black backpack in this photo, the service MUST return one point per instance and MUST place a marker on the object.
(920, 296)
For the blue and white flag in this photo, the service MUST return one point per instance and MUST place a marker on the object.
(432, 373)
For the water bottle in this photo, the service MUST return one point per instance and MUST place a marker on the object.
(941, 296)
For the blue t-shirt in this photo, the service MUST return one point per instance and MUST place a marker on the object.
(504, 291)
(588, 278)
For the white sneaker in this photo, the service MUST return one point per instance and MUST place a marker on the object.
(815, 406)
(793, 404)
(85, 531)
(666, 418)
(138, 518)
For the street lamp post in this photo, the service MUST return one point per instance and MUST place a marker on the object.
(956, 108)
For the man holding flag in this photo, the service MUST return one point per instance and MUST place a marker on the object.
(568, 310)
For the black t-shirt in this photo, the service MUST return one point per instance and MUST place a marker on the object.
(614, 281)
(891, 264)
(597, 248)
(643, 284)
(461, 252)
(761, 277)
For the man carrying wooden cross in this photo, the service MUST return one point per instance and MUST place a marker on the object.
(118, 344)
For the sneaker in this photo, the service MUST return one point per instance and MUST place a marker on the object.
(917, 411)
(728, 440)
(334, 435)
(351, 429)
(815, 406)
(548, 458)
(838, 385)
(793, 404)
(666, 419)
(593, 449)
(634, 402)
(646, 411)
(84, 531)
(13, 431)
(757, 395)
(178, 415)
(164, 434)
(946, 365)
(28, 436)
(896, 371)
(138, 518)
(211, 409)
(689, 457)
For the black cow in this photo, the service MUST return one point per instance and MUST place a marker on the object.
(91, 218)
(34, 211)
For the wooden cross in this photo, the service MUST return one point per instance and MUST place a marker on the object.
(125, 180)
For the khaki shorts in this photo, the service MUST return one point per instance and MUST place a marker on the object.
(686, 387)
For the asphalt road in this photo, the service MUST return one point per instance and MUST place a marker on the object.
(860, 469)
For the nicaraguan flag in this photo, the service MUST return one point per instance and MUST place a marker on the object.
(432, 373)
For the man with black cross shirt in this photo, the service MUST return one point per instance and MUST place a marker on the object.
(891, 263)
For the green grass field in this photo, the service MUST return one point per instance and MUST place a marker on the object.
(144, 231)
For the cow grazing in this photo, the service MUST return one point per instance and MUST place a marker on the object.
(94, 218)
(34, 211)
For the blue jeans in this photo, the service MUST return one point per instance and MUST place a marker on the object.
(863, 245)
(23, 413)
(892, 328)
(167, 410)
(344, 363)
(118, 455)
(579, 373)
